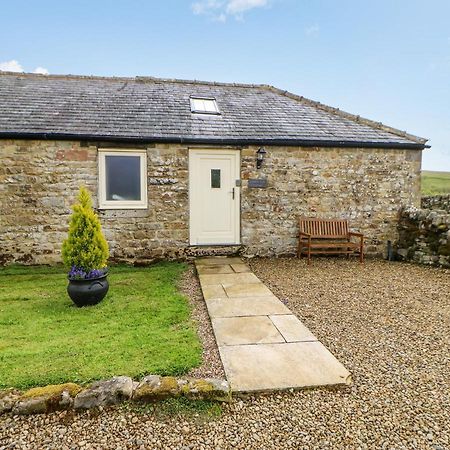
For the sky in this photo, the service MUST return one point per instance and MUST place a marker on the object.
(387, 60)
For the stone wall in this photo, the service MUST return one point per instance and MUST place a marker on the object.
(366, 186)
(424, 235)
(441, 202)
(39, 181)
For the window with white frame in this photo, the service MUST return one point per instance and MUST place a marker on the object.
(122, 179)
(204, 105)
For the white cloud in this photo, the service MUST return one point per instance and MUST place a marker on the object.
(313, 30)
(240, 6)
(220, 10)
(15, 66)
(206, 6)
(11, 66)
(222, 17)
(41, 70)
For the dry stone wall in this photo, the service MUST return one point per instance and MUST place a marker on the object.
(39, 181)
(424, 234)
(440, 202)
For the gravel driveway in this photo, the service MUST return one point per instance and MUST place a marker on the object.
(388, 323)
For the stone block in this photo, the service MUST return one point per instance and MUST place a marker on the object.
(104, 393)
(154, 387)
(205, 389)
(46, 399)
(8, 399)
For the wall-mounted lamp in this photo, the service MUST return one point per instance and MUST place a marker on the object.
(260, 157)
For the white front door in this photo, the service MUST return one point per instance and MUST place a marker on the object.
(214, 197)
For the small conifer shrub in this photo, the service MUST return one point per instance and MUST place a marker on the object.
(85, 250)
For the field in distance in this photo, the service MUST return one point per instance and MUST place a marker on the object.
(435, 183)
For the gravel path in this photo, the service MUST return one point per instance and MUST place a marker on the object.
(212, 365)
(389, 324)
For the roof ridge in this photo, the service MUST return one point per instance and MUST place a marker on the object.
(338, 112)
(137, 78)
(207, 83)
(66, 76)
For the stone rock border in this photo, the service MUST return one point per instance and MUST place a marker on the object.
(111, 392)
(424, 236)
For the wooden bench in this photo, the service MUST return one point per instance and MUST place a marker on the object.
(328, 236)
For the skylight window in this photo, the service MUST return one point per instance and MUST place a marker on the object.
(204, 105)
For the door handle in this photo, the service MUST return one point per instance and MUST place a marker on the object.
(232, 193)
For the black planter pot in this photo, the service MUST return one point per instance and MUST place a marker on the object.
(88, 292)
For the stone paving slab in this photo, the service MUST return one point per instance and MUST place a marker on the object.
(217, 260)
(245, 306)
(263, 346)
(214, 269)
(247, 290)
(291, 328)
(281, 366)
(240, 268)
(229, 278)
(213, 291)
(245, 330)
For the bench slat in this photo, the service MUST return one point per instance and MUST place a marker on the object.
(326, 228)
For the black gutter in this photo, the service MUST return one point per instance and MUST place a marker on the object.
(211, 141)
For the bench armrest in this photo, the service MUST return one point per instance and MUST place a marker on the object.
(302, 233)
(361, 239)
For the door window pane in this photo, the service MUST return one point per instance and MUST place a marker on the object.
(123, 177)
(215, 178)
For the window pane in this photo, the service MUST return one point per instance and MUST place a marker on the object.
(215, 178)
(210, 105)
(198, 104)
(123, 177)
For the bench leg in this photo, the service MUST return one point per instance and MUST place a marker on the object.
(361, 251)
(309, 254)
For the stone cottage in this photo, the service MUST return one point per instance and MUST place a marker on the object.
(180, 168)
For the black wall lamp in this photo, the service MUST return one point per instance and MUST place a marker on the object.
(260, 157)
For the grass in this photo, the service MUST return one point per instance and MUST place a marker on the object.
(435, 183)
(143, 326)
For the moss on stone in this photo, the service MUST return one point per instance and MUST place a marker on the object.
(53, 390)
(145, 392)
(202, 386)
(169, 385)
(166, 387)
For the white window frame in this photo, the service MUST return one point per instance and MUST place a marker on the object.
(121, 204)
(203, 111)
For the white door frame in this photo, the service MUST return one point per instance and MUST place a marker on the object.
(236, 204)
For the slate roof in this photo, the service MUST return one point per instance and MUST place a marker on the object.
(158, 110)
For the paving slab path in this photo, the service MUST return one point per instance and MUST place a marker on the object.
(263, 346)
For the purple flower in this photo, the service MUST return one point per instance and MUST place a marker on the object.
(97, 273)
(77, 273)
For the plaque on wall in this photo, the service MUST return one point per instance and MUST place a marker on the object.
(257, 183)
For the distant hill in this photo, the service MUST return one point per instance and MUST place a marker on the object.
(435, 183)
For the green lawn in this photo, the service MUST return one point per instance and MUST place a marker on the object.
(435, 183)
(143, 326)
